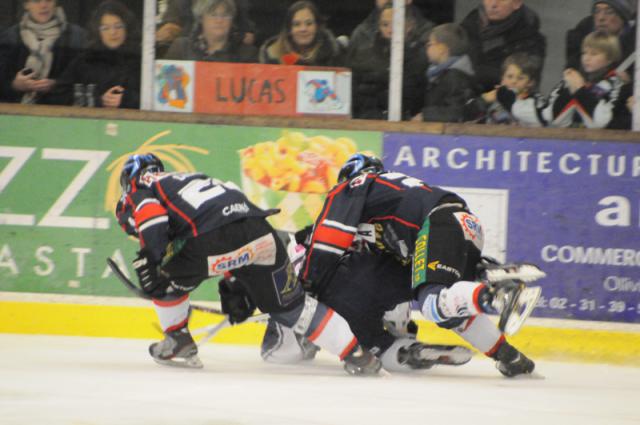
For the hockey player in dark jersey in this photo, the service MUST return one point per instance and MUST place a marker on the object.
(192, 227)
(436, 243)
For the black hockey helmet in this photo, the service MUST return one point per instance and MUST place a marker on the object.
(359, 163)
(136, 165)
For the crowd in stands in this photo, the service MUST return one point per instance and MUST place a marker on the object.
(484, 69)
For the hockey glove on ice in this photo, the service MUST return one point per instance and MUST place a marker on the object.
(150, 280)
(235, 302)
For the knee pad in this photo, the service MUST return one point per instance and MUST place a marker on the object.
(452, 323)
(299, 317)
(439, 303)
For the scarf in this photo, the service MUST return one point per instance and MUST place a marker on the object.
(435, 70)
(39, 39)
(489, 30)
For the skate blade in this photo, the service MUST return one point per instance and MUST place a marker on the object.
(518, 272)
(450, 355)
(192, 362)
(524, 305)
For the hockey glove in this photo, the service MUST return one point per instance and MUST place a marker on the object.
(150, 280)
(235, 302)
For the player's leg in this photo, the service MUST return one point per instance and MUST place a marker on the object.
(276, 290)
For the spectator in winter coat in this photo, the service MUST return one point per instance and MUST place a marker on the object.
(588, 97)
(369, 60)
(111, 64)
(304, 40)
(366, 30)
(212, 38)
(35, 52)
(611, 17)
(451, 82)
(497, 29)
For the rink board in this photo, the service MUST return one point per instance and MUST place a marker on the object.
(540, 341)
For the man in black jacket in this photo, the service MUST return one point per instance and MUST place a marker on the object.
(497, 29)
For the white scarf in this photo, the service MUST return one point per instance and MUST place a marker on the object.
(39, 39)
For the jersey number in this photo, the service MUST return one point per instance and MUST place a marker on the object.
(199, 191)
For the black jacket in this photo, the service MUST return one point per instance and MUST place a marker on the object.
(330, 52)
(14, 54)
(448, 93)
(490, 45)
(106, 69)
(369, 61)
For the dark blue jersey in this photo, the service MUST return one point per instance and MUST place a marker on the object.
(385, 210)
(162, 207)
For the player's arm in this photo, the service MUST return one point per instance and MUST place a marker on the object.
(333, 233)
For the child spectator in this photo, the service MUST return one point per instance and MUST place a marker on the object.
(369, 60)
(585, 98)
(109, 70)
(304, 40)
(35, 52)
(520, 78)
(212, 38)
(450, 76)
(613, 17)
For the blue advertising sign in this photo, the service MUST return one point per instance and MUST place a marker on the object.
(571, 207)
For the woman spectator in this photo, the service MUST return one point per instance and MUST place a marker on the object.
(369, 59)
(35, 52)
(109, 70)
(211, 39)
(304, 40)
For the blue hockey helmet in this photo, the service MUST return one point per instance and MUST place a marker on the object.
(359, 163)
(136, 165)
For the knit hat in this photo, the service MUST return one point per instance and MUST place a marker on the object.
(622, 7)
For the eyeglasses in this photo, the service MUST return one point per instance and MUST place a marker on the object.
(117, 27)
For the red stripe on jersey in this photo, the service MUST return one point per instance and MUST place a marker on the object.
(170, 303)
(391, 185)
(194, 229)
(394, 218)
(349, 348)
(494, 349)
(321, 326)
(148, 212)
(470, 320)
(334, 236)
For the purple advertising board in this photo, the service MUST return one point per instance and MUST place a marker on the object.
(571, 207)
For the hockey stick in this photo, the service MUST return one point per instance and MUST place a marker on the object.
(140, 293)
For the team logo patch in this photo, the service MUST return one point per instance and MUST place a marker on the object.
(261, 251)
(471, 228)
(358, 181)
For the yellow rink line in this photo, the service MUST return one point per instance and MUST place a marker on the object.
(565, 344)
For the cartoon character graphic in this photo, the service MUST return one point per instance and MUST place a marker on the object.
(320, 92)
(172, 81)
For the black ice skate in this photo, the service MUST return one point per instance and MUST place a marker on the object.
(361, 362)
(176, 349)
(424, 356)
(511, 362)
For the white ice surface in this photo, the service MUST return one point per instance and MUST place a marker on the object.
(85, 381)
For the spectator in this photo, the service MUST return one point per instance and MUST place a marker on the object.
(611, 17)
(451, 82)
(497, 29)
(212, 38)
(304, 40)
(369, 60)
(586, 98)
(34, 52)
(366, 30)
(111, 64)
(178, 21)
(520, 79)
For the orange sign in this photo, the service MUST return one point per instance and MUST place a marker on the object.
(245, 89)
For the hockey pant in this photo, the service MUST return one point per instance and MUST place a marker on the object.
(251, 252)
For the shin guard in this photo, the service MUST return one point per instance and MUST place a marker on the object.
(173, 314)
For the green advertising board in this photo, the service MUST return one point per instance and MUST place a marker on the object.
(59, 186)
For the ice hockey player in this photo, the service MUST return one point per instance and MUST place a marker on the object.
(373, 295)
(192, 227)
(430, 233)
